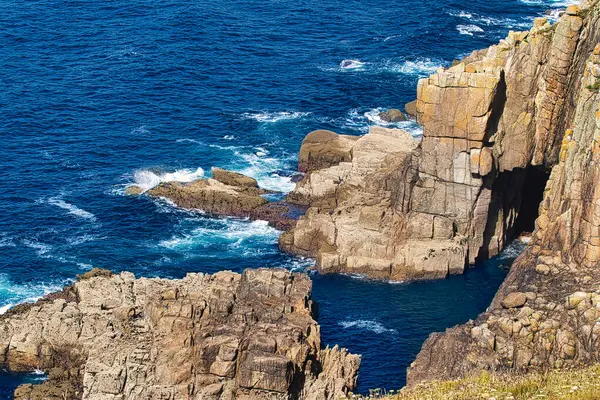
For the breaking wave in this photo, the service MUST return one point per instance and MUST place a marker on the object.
(147, 179)
(367, 325)
(71, 208)
(469, 30)
(272, 117)
(12, 294)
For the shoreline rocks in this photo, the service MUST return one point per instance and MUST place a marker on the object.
(227, 193)
(546, 315)
(221, 336)
(493, 124)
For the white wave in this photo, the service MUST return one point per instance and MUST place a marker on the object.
(351, 64)
(185, 140)
(77, 240)
(147, 179)
(271, 117)
(513, 250)
(356, 119)
(71, 208)
(524, 23)
(140, 131)
(256, 163)
(300, 264)
(368, 325)
(13, 294)
(229, 137)
(6, 241)
(235, 233)
(470, 29)
(418, 67)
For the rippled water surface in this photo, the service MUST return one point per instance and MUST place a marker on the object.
(97, 95)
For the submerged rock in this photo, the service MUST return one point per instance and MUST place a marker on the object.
(133, 190)
(218, 336)
(393, 115)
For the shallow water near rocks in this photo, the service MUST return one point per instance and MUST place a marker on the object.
(98, 95)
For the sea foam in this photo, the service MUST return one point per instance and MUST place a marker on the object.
(147, 179)
(367, 325)
(71, 208)
(272, 117)
(469, 30)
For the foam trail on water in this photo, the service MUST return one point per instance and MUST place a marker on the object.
(234, 233)
(368, 325)
(351, 64)
(272, 117)
(71, 208)
(469, 30)
(147, 179)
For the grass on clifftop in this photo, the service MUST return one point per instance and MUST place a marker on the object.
(580, 384)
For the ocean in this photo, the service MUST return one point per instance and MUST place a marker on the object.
(99, 95)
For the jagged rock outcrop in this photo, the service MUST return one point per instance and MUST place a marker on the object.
(493, 126)
(227, 193)
(547, 312)
(221, 336)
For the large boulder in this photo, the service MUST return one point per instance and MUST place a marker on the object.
(218, 336)
(211, 196)
(322, 149)
(233, 178)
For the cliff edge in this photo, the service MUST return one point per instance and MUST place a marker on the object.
(221, 336)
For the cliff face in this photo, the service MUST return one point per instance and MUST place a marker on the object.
(218, 336)
(493, 129)
(547, 312)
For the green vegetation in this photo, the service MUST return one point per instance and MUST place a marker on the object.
(576, 384)
(595, 87)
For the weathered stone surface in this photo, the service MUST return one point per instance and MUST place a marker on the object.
(322, 149)
(546, 314)
(211, 196)
(233, 178)
(218, 336)
(487, 121)
(411, 109)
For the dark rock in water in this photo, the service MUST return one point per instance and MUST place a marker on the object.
(297, 178)
(226, 335)
(393, 115)
(411, 109)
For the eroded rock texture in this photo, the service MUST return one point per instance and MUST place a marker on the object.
(221, 336)
(493, 127)
(547, 312)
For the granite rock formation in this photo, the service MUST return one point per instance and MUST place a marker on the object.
(493, 129)
(226, 193)
(547, 312)
(221, 336)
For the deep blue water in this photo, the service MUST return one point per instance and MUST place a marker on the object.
(97, 95)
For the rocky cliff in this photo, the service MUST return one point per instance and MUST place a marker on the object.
(494, 124)
(547, 313)
(221, 336)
